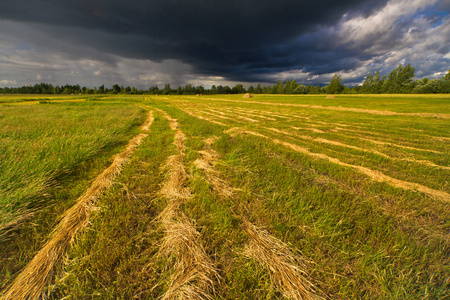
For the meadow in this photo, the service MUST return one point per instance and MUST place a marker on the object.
(273, 197)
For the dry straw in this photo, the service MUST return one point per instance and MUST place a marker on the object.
(352, 109)
(268, 251)
(193, 272)
(30, 283)
(275, 256)
(372, 174)
(208, 164)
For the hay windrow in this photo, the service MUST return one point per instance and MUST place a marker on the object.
(340, 108)
(148, 122)
(208, 164)
(285, 269)
(174, 188)
(193, 272)
(399, 146)
(203, 118)
(29, 284)
(237, 116)
(336, 143)
(247, 113)
(373, 174)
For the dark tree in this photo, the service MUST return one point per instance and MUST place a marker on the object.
(116, 88)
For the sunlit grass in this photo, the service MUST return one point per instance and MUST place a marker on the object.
(42, 142)
(357, 237)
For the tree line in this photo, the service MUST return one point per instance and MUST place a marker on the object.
(400, 80)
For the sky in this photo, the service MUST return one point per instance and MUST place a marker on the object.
(143, 43)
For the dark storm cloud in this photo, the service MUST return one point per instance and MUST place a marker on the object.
(239, 40)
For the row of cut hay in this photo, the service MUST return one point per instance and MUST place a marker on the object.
(275, 114)
(336, 143)
(362, 135)
(245, 113)
(237, 116)
(193, 272)
(211, 112)
(285, 269)
(373, 174)
(207, 163)
(273, 255)
(351, 109)
(365, 133)
(202, 117)
(29, 284)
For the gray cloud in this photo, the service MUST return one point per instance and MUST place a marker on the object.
(145, 42)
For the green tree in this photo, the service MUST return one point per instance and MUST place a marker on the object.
(447, 77)
(167, 89)
(286, 87)
(300, 89)
(188, 90)
(401, 80)
(372, 83)
(238, 89)
(116, 88)
(294, 85)
(280, 87)
(200, 90)
(335, 85)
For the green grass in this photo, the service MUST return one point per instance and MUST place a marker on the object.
(49, 155)
(98, 266)
(361, 239)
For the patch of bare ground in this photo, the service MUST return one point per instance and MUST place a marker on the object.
(193, 272)
(285, 268)
(373, 174)
(30, 283)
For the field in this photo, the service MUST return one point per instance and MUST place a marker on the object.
(220, 197)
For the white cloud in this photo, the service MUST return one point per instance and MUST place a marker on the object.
(380, 24)
(6, 82)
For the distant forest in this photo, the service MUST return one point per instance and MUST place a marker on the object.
(399, 81)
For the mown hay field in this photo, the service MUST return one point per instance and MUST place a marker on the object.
(270, 197)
